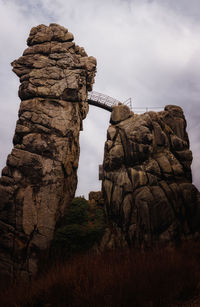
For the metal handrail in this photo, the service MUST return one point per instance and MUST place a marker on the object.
(106, 102)
(99, 97)
(146, 109)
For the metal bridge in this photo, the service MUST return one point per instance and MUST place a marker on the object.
(107, 103)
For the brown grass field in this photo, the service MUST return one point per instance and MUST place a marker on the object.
(158, 277)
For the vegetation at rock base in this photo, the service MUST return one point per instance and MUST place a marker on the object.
(159, 277)
(83, 226)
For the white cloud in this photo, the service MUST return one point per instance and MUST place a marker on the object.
(148, 50)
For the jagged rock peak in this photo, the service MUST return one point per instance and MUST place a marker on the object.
(54, 32)
(53, 66)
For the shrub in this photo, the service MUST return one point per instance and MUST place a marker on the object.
(84, 226)
(78, 211)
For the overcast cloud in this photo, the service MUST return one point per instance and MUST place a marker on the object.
(148, 50)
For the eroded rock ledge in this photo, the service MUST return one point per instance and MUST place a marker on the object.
(40, 178)
(147, 181)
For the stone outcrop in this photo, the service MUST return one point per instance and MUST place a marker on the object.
(147, 182)
(39, 180)
(96, 198)
(113, 238)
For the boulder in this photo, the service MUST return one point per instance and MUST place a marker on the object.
(119, 113)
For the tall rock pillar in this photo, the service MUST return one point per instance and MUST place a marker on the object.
(40, 178)
(147, 181)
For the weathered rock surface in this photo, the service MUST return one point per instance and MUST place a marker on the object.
(119, 113)
(96, 197)
(147, 182)
(112, 239)
(39, 180)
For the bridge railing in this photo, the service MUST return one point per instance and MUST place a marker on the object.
(147, 109)
(128, 103)
(107, 102)
(102, 99)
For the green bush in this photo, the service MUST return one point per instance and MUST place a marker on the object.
(84, 226)
(78, 211)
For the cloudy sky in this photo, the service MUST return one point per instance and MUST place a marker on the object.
(148, 50)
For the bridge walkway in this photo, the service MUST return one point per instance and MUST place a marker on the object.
(106, 102)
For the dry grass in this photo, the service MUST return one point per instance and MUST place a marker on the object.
(114, 279)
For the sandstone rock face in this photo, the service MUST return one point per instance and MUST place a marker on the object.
(119, 113)
(40, 178)
(113, 238)
(96, 197)
(147, 182)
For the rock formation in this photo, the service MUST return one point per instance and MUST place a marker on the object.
(113, 238)
(96, 198)
(147, 182)
(40, 178)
